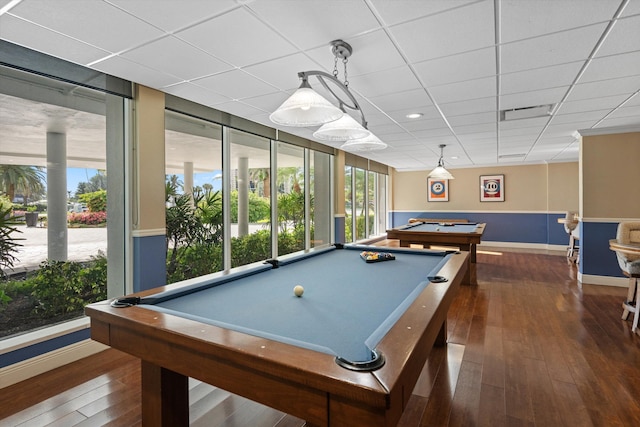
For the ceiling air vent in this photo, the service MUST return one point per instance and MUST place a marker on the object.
(511, 156)
(526, 112)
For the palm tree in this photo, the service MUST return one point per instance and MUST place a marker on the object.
(23, 179)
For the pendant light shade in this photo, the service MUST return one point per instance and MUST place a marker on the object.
(343, 129)
(370, 143)
(440, 172)
(305, 108)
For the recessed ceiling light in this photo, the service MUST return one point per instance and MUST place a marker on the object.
(414, 115)
(454, 157)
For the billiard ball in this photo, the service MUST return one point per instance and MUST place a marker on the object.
(298, 290)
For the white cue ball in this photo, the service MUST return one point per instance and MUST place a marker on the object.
(298, 290)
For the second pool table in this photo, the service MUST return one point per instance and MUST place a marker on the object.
(348, 352)
(462, 235)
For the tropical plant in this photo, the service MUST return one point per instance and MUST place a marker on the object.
(23, 179)
(263, 175)
(8, 243)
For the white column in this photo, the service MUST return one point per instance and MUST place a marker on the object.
(57, 196)
(243, 196)
(188, 178)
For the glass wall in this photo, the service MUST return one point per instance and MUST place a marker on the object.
(193, 168)
(365, 191)
(321, 212)
(291, 198)
(349, 195)
(62, 175)
(250, 198)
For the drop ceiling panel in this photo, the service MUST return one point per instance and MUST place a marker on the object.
(604, 88)
(471, 106)
(93, 22)
(196, 94)
(174, 15)
(552, 49)
(236, 84)
(593, 104)
(393, 12)
(623, 37)
(385, 82)
(318, 22)
(466, 28)
(228, 37)
(473, 119)
(243, 57)
(526, 19)
(372, 52)
(186, 62)
(540, 78)
(471, 89)
(612, 67)
(456, 68)
(25, 33)
(283, 72)
(121, 67)
(582, 116)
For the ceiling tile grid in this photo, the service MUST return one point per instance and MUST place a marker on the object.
(436, 57)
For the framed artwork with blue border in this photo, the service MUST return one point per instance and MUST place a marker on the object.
(492, 188)
(438, 190)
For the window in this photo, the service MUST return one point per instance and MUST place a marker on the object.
(291, 198)
(194, 216)
(251, 195)
(62, 164)
(365, 203)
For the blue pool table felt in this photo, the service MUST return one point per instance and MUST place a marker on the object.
(433, 227)
(347, 307)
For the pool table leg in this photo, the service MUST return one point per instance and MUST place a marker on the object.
(165, 397)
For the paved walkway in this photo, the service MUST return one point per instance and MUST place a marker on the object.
(82, 243)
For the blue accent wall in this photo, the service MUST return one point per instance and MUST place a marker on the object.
(149, 262)
(43, 347)
(596, 258)
(540, 228)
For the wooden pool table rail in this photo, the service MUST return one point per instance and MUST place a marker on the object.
(302, 382)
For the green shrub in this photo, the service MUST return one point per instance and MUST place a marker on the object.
(66, 286)
(96, 201)
(196, 261)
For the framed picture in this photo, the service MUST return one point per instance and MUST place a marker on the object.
(492, 188)
(438, 190)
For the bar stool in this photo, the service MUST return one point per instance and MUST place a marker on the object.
(571, 227)
(627, 249)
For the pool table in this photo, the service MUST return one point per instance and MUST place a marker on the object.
(347, 352)
(463, 235)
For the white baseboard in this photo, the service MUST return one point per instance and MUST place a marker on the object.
(54, 359)
(518, 245)
(588, 279)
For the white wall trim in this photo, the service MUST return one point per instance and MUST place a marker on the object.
(520, 245)
(476, 211)
(27, 369)
(608, 220)
(44, 334)
(609, 130)
(588, 279)
(149, 233)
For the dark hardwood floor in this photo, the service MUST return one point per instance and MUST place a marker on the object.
(527, 347)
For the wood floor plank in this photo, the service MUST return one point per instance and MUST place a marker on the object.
(527, 346)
